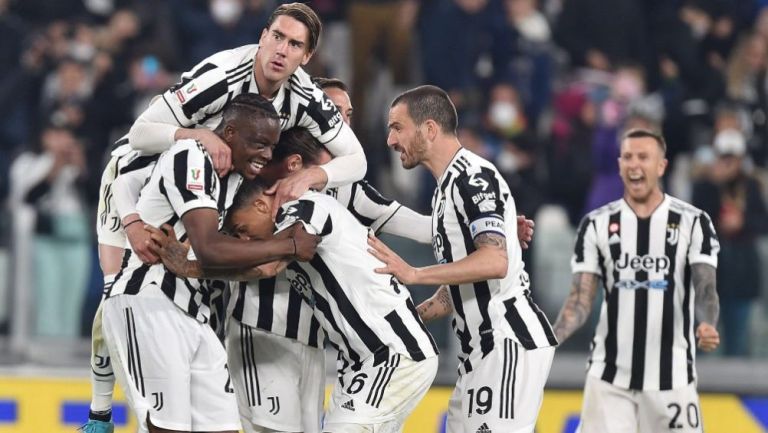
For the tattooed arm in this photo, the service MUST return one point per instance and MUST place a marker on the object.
(439, 305)
(578, 305)
(488, 261)
(173, 254)
(704, 279)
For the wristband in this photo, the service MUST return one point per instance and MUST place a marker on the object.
(294, 246)
(134, 221)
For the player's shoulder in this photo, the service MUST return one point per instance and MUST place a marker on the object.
(683, 207)
(301, 83)
(606, 209)
(469, 168)
(232, 58)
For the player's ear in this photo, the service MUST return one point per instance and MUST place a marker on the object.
(663, 166)
(432, 129)
(293, 163)
(263, 35)
(262, 206)
(307, 56)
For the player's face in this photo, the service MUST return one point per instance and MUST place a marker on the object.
(405, 137)
(253, 221)
(283, 47)
(342, 102)
(641, 165)
(252, 142)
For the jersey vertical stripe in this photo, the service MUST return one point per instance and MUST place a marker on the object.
(200, 96)
(644, 340)
(471, 199)
(276, 303)
(182, 180)
(364, 314)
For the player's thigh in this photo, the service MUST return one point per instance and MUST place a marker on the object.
(312, 388)
(152, 343)
(381, 393)
(266, 374)
(504, 390)
(676, 410)
(607, 408)
(214, 407)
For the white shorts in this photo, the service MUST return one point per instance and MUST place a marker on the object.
(608, 408)
(279, 382)
(503, 392)
(109, 229)
(171, 367)
(379, 398)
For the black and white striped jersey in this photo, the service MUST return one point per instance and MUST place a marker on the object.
(472, 198)
(199, 98)
(363, 313)
(133, 169)
(272, 305)
(183, 180)
(644, 339)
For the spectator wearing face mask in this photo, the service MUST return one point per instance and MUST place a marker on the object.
(733, 197)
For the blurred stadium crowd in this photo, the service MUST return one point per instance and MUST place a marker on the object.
(544, 88)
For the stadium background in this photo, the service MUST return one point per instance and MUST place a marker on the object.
(543, 89)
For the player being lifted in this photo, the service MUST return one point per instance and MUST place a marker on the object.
(507, 344)
(166, 356)
(271, 69)
(655, 257)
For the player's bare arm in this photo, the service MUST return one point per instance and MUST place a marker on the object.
(217, 250)
(578, 305)
(138, 238)
(707, 306)
(173, 254)
(439, 305)
(488, 261)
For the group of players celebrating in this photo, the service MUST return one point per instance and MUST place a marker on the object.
(234, 211)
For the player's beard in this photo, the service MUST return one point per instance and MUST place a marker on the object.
(418, 150)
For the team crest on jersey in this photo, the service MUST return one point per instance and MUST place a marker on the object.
(440, 207)
(673, 234)
(194, 180)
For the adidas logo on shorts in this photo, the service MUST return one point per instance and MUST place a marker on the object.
(483, 429)
(350, 405)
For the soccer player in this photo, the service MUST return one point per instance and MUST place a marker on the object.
(121, 182)
(507, 343)
(166, 356)
(655, 257)
(271, 69)
(387, 359)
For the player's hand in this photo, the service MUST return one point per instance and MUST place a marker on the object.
(293, 186)
(394, 264)
(708, 337)
(139, 239)
(220, 153)
(173, 253)
(524, 231)
(305, 243)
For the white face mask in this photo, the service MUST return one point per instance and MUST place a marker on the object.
(503, 115)
(226, 12)
(82, 51)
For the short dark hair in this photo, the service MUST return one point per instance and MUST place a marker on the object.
(299, 141)
(644, 133)
(248, 104)
(330, 83)
(245, 194)
(430, 102)
(303, 14)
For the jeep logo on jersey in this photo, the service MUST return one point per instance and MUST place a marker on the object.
(437, 245)
(645, 263)
(300, 282)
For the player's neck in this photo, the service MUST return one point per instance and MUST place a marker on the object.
(645, 208)
(267, 88)
(442, 154)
